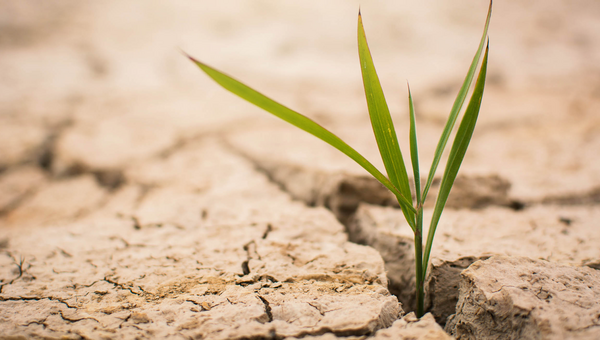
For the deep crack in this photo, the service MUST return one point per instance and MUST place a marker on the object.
(267, 231)
(248, 248)
(267, 308)
(245, 268)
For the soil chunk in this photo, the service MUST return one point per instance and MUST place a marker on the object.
(464, 237)
(519, 298)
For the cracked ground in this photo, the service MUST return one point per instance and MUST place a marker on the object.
(140, 200)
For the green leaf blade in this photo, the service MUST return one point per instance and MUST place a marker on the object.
(457, 153)
(414, 148)
(381, 121)
(456, 107)
(301, 122)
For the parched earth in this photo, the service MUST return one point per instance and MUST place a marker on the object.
(138, 200)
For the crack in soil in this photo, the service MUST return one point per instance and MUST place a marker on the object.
(267, 231)
(317, 307)
(250, 248)
(70, 320)
(20, 270)
(267, 308)
(123, 287)
(110, 179)
(362, 333)
(35, 298)
(40, 322)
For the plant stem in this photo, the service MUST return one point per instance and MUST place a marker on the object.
(420, 276)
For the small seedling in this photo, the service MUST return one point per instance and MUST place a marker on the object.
(397, 181)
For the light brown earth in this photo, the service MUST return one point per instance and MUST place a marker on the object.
(140, 200)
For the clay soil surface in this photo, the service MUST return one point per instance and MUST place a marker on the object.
(139, 200)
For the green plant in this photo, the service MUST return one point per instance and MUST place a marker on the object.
(387, 142)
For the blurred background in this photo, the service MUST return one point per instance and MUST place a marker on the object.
(89, 89)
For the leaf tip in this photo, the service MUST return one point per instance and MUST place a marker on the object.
(194, 60)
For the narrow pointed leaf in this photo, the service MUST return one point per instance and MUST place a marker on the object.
(457, 153)
(414, 148)
(456, 107)
(383, 128)
(301, 122)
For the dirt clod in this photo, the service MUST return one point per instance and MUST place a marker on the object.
(519, 298)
